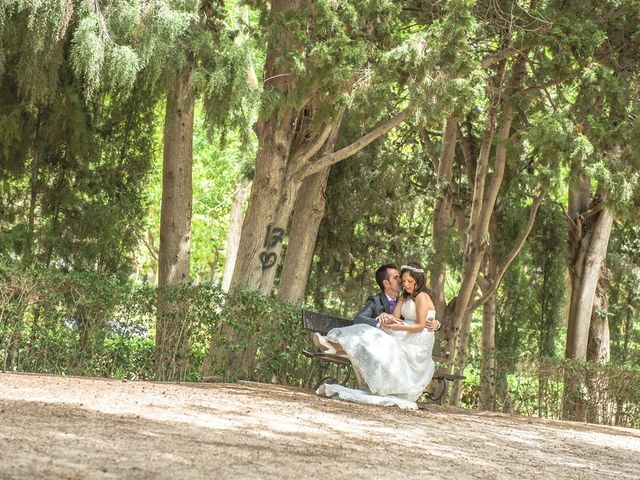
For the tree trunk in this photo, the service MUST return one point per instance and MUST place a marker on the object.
(271, 199)
(441, 216)
(585, 275)
(598, 350)
(487, 360)
(33, 191)
(308, 213)
(598, 344)
(481, 211)
(270, 205)
(589, 238)
(460, 359)
(287, 144)
(172, 332)
(233, 234)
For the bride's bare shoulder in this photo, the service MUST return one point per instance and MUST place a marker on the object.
(422, 297)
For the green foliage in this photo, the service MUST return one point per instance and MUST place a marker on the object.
(83, 323)
(376, 205)
(278, 329)
(104, 326)
(74, 324)
(624, 301)
(80, 172)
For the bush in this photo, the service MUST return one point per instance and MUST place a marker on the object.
(84, 324)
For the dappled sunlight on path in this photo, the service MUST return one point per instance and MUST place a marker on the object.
(95, 428)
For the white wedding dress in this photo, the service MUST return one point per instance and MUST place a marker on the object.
(393, 368)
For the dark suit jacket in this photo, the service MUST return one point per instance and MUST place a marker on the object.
(376, 304)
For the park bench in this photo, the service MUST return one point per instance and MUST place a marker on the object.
(322, 323)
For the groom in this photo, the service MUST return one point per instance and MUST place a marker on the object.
(388, 279)
(376, 312)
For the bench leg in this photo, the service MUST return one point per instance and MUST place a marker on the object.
(443, 395)
(439, 399)
(346, 378)
(324, 380)
(313, 367)
(332, 379)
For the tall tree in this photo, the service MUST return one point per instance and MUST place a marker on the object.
(201, 67)
(298, 113)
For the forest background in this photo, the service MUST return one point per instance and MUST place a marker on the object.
(180, 178)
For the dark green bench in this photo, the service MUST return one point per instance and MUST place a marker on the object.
(322, 323)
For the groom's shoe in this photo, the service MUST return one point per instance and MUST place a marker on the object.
(323, 345)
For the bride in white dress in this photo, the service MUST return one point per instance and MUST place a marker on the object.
(393, 363)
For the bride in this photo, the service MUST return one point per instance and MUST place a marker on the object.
(393, 363)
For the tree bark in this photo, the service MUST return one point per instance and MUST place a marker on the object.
(305, 223)
(270, 205)
(308, 213)
(280, 171)
(487, 360)
(598, 349)
(590, 229)
(592, 252)
(172, 332)
(233, 234)
(441, 216)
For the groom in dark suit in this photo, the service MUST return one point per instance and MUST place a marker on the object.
(388, 279)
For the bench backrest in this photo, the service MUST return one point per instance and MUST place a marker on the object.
(321, 322)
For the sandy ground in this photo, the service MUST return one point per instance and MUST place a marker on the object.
(80, 428)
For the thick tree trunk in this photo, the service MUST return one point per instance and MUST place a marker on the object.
(589, 238)
(271, 199)
(172, 332)
(305, 223)
(585, 275)
(233, 234)
(442, 215)
(598, 349)
(309, 210)
(270, 206)
(280, 171)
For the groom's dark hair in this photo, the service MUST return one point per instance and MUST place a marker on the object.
(382, 273)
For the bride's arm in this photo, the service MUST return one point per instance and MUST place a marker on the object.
(396, 311)
(423, 305)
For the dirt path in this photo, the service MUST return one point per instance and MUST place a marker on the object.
(82, 428)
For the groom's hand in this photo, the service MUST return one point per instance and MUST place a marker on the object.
(432, 324)
(385, 320)
(382, 319)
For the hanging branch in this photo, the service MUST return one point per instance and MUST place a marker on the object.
(102, 24)
(66, 18)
